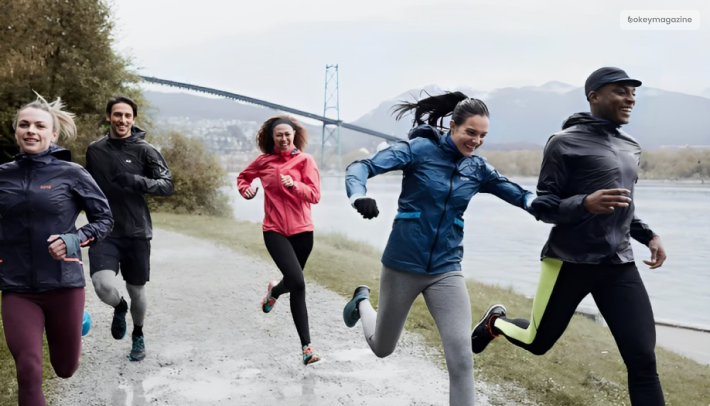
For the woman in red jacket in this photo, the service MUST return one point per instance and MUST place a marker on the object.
(291, 184)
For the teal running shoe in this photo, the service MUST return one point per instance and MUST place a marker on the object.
(351, 314)
(86, 323)
(138, 350)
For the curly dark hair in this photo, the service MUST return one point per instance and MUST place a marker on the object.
(265, 137)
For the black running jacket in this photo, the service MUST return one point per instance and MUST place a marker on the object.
(108, 158)
(42, 195)
(587, 155)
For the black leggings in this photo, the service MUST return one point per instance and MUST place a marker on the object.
(290, 255)
(623, 302)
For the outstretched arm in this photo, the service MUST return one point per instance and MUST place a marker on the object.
(395, 157)
(506, 190)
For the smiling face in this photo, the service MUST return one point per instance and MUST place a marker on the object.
(468, 136)
(613, 102)
(121, 120)
(283, 137)
(34, 131)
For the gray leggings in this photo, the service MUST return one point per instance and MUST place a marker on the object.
(448, 302)
(105, 286)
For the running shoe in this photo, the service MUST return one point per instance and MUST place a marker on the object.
(85, 323)
(309, 357)
(138, 350)
(483, 334)
(351, 314)
(268, 302)
(118, 325)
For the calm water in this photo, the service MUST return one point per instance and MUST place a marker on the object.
(502, 243)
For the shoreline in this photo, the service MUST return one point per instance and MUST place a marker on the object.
(687, 339)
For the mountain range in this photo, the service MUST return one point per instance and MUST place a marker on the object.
(521, 118)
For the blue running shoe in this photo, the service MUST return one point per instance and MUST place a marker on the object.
(86, 323)
(351, 314)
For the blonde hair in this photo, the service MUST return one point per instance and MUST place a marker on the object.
(62, 121)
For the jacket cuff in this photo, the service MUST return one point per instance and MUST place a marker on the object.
(528, 200)
(643, 236)
(355, 197)
(572, 208)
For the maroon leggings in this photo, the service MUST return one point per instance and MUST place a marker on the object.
(25, 317)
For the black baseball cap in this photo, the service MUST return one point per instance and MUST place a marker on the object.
(603, 76)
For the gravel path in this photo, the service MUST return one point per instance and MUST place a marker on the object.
(209, 343)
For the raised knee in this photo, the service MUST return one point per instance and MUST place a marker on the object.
(296, 286)
(65, 371)
(101, 287)
(382, 353)
(539, 349)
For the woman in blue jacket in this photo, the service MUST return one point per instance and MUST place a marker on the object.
(424, 250)
(41, 274)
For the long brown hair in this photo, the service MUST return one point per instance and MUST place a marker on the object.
(265, 136)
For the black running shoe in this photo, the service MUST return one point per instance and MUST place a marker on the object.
(482, 334)
(118, 325)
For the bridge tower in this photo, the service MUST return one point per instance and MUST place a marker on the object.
(330, 141)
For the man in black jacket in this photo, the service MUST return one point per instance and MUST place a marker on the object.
(591, 166)
(126, 167)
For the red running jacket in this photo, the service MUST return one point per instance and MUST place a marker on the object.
(286, 210)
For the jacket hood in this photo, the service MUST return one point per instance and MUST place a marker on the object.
(425, 131)
(587, 119)
(137, 134)
(53, 151)
(432, 133)
(294, 151)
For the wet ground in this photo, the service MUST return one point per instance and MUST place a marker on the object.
(208, 343)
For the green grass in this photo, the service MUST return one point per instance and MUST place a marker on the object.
(583, 369)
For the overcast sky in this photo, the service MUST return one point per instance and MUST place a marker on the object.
(277, 50)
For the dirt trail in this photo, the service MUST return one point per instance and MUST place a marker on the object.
(208, 343)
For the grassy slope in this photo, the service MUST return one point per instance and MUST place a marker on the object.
(584, 368)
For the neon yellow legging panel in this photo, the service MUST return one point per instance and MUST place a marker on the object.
(548, 277)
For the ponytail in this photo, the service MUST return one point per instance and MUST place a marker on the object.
(433, 109)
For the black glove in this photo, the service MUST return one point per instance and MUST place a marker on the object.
(542, 204)
(367, 207)
(125, 180)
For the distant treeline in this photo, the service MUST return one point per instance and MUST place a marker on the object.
(666, 164)
(683, 163)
